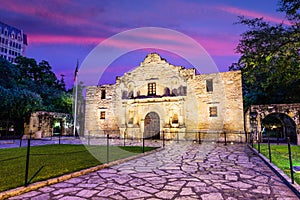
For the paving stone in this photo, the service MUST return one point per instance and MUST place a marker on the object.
(87, 193)
(31, 194)
(107, 192)
(148, 189)
(87, 185)
(62, 185)
(240, 184)
(165, 194)
(119, 187)
(133, 194)
(195, 184)
(231, 177)
(40, 197)
(72, 198)
(74, 180)
(171, 187)
(65, 191)
(212, 196)
(57, 196)
(46, 189)
(187, 191)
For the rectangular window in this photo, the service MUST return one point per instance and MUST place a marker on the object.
(213, 111)
(103, 94)
(209, 85)
(102, 114)
(151, 89)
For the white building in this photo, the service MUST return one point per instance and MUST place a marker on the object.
(12, 42)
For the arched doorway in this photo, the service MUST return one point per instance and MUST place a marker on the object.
(152, 126)
(278, 127)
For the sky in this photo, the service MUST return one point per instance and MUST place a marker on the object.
(64, 31)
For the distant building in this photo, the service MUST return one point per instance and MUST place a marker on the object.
(159, 98)
(12, 42)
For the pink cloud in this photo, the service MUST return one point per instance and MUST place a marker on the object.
(252, 14)
(213, 45)
(40, 10)
(62, 39)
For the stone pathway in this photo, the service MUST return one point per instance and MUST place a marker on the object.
(180, 171)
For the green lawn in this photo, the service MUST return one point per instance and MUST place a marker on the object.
(280, 157)
(56, 159)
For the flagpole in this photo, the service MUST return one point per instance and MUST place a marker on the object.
(76, 97)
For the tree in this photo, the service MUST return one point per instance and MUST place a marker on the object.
(270, 60)
(291, 8)
(9, 74)
(29, 86)
(40, 79)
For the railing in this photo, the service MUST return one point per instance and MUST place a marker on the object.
(276, 152)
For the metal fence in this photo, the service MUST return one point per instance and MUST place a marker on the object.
(276, 150)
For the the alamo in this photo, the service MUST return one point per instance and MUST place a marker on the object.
(158, 99)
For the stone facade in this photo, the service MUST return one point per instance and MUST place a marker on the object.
(46, 124)
(288, 114)
(158, 97)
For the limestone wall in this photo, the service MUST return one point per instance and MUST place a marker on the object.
(95, 104)
(41, 123)
(180, 100)
(226, 96)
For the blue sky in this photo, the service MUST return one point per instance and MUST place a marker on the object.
(62, 31)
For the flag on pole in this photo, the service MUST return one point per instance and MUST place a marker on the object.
(75, 100)
(76, 71)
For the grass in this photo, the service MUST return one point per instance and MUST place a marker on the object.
(56, 160)
(280, 157)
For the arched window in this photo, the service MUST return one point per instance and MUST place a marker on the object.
(166, 91)
(130, 90)
(5, 32)
(130, 94)
(19, 37)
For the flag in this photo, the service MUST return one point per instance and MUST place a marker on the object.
(76, 71)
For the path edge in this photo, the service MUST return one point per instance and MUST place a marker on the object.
(287, 180)
(34, 186)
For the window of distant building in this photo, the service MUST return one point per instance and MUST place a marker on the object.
(102, 114)
(151, 89)
(209, 85)
(103, 93)
(213, 111)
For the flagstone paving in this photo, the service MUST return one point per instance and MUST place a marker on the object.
(180, 171)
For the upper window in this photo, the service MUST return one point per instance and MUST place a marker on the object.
(151, 88)
(103, 94)
(213, 111)
(209, 85)
(102, 114)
